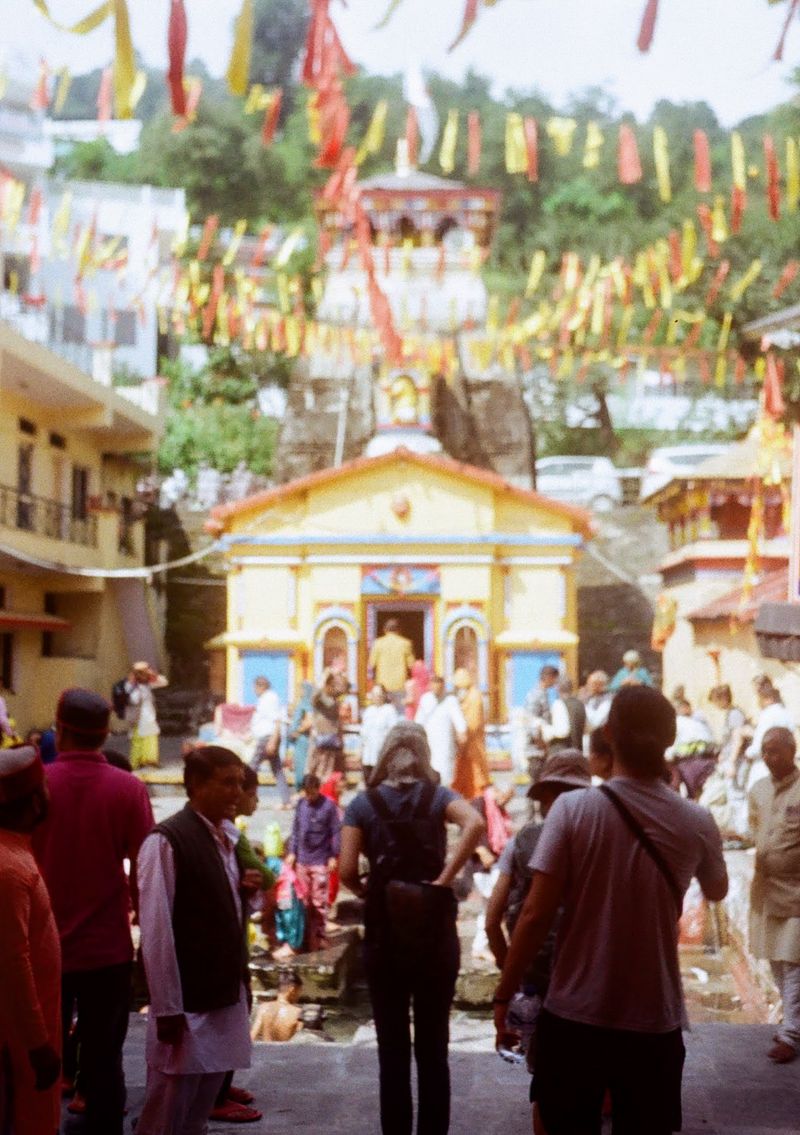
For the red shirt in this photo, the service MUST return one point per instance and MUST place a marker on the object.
(98, 817)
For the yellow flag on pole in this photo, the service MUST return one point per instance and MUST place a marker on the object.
(87, 24)
(376, 131)
(447, 151)
(238, 73)
(62, 91)
(124, 61)
(661, 155)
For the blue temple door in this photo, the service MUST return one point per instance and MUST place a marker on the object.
(525, 667)
(272, 664)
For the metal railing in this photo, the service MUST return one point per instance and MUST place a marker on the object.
(30, 513)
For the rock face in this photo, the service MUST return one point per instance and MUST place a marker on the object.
(485, 422)
(317, 409)
(481, 421)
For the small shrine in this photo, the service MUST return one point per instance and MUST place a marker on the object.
(418, 266)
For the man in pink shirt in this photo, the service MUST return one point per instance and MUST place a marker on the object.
(99, 816)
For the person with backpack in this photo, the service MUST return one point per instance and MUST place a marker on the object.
(411, 945)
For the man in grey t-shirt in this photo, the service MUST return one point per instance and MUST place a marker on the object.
(613, 1015)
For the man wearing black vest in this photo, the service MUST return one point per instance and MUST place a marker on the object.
(193, 923)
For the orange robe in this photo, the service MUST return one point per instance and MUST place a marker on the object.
(30, 983)
(472, 765)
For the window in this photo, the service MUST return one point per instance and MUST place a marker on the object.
(26, 426)
(7, 662)
(79, 639)
(125, 329)
(465, 650)
(25, 503)
(50, 608)
(80, 492)
(58, 441)
(73, 329)
(16, 274)
(334, 648)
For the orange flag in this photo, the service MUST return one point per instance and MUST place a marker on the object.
(271, 117)
(531, 148)
(773, 178)
(468, 19)
(785, 278)
(702, 162)
(648, 25)
(412, 136)
(628, 164)
(793, 6)
(104, 95)
(773, 403)
(176, 45)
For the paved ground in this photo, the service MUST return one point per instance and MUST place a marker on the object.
(730, 1088)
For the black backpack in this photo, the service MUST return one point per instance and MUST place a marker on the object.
(411, 844)
(537, 974)
(405, 914)
(119, 698)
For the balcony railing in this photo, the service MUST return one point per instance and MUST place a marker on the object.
(45, 517)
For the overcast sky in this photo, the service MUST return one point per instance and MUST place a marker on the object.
(716, 50)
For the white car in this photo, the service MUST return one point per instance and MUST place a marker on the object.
(589, 481)
(672, 461)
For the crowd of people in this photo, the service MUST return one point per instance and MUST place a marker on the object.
(589, 992)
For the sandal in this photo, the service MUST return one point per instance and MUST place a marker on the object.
(235, 1113)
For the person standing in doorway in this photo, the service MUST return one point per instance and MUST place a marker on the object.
(390, 661)
(98, 818)
(30, 961)
(141, 713)
(442, 718)
(774, 810)
(266, 728)
(472, 765)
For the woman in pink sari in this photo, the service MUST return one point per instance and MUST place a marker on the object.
(416, 686)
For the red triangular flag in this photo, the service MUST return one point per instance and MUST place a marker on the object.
(176, 47)
(648, 26)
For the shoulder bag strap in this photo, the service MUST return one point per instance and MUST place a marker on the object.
(648, 845)
(425, 802)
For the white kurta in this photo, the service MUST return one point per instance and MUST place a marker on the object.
(442, 721)
(215, 1041)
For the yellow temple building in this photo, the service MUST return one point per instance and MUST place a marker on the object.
(479, 573)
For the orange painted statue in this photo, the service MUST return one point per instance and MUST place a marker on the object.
(472, 765)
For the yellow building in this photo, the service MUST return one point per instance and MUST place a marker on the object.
(74, 602)
(479, 573)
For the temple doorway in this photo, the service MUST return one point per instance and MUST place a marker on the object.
(416, 624)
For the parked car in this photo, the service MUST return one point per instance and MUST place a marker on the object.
(590, 481)
(671, 461)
